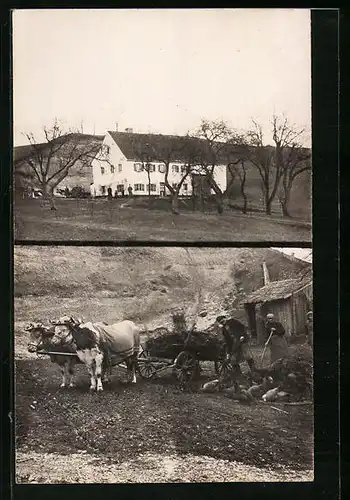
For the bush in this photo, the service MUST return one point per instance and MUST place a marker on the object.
(300, 363)
(78, 192)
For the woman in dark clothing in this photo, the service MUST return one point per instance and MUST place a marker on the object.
(275, 339)
(236, 339)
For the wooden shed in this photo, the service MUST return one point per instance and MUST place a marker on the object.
(289, 300)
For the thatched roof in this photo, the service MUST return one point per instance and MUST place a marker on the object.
(276, 290)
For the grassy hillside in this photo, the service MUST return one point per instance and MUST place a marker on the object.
(300, 202)
(79, 175)
(144, 284)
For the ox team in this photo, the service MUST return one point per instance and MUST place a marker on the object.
(97, 345)
(100, 346)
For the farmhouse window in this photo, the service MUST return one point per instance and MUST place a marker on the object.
(175, 168)
(183, 169)
(102, 170)
(162, 185)
(120, 167)
(174, 184)
(185, 187)
(120, 188)
(112, 169)
(153, 187)
(152, 167)
(103, 189)
(161, 168)
(105, 149)
(139, 187)
(138, 167)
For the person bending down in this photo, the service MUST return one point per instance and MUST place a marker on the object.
(236, 340)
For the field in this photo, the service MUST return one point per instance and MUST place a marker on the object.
(106, 220)
(153, 431)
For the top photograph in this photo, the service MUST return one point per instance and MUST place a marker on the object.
(162, 125)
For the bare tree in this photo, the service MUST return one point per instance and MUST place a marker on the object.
(262, 157)
(241, 171)
(282, 162)
(176, 148)
(51, 161)
(299, 161)
(193, 193)
(219, 148)
(290, 156)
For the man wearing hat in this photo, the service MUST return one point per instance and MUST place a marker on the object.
(236, 339)
(275, 339)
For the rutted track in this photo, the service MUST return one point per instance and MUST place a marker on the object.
(155, 423)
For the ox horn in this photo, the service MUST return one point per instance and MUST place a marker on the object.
(75, 320)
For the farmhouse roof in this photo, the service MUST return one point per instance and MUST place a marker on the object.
(130, 142)
(276, 290)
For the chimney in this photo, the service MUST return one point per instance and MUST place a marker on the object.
(116, 126)
(266, 274)
(129, 130)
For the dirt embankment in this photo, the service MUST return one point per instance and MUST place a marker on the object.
(143, 284)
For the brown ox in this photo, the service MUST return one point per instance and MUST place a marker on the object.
(99, 345)
(40, 339)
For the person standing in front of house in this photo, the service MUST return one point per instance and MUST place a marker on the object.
(276, 339)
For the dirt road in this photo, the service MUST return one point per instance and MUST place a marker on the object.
(144, 468)
(151, 432)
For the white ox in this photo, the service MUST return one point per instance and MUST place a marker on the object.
(100, 346)
(40, 339)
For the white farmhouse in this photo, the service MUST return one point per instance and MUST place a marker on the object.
(124, 172)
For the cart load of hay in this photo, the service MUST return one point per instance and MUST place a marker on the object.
(168, 343)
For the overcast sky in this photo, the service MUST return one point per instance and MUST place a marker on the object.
(299, 253)
(160, 70)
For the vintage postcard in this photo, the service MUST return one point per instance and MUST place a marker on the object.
(163, 364)
(173, 125)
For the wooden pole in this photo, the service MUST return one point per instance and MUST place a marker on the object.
(57, 353)
(264, 351)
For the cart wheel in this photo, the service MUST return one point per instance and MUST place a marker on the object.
(186, 367)
(145, 367)
(221, 360)
(226, 370)
(218, 366)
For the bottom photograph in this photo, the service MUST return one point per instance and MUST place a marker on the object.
(163, 364)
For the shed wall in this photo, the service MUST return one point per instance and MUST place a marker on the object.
(301, 305)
